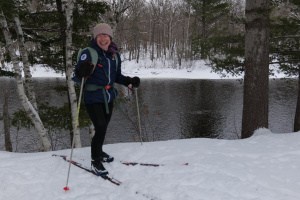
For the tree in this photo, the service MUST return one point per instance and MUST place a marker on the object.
(285, 43)
(28, 106)
(228, 57)
(136, 11)
(209, 14)
(54, 39)
(6, 120)
(4, 5)
(256, 84)
(57, 34)
(228, 48)
(69, 71)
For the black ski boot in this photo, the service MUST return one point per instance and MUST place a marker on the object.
(98, 168)
(104, 157)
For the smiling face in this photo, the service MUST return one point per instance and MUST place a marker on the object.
(103, 41)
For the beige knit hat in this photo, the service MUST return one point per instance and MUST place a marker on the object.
(102, 28)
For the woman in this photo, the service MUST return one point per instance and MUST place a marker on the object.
(99, 92)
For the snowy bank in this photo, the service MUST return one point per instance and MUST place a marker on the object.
(159, 69)
(263, 167)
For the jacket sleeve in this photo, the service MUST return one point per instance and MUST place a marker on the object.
(120, 77)
(84, 57)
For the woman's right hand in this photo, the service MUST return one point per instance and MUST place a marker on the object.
(84, 69)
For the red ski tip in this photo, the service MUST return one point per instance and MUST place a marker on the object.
(186, 163)
(66, 188)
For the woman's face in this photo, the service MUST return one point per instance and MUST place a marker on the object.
(103, 41)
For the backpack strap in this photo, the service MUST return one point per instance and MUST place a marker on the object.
(93, 53)
(117, 61)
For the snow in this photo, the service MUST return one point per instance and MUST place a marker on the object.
(148, 69)
(263, 167)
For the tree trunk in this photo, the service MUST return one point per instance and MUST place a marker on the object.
(29, 89)
(297, 114)
(256, 86)
(203, 33)
(152, 42)
(138, 54)
(29, 109)
(26, 66)
(2, 59)
(6, 122)
(62, 14)
(69, 72)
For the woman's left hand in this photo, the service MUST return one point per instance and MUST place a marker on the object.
(135, 81)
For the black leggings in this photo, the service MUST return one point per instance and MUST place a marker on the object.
(100, 120)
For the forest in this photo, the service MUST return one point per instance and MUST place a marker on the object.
(235, 37)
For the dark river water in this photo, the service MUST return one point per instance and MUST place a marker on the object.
(169, 109)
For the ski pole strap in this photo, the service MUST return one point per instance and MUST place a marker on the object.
(93, 88)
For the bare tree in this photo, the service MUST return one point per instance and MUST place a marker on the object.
(26, 65)
(69, 71)
(116, 16)
(29, 87)
(256, 86)
(8, 146)
(29, 108)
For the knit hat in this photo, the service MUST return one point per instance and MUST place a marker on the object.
(102, 28)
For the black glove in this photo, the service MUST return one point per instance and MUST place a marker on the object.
(85, 69)
(135, 81)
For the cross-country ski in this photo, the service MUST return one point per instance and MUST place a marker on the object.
(77, 164)
(147, 164)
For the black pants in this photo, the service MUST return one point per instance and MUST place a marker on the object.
(100, 120)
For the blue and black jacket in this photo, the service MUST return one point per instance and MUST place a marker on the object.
(105, 74)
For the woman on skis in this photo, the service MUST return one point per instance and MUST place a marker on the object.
(99, 92)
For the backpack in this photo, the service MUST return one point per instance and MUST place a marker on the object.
(94, 56)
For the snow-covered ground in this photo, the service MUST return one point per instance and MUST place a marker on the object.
(263, 167)
(147, 69)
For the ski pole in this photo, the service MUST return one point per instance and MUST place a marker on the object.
(139, 118)
(73, 140)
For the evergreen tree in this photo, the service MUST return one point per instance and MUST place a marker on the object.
(7, 7)
(229, 49)
(285, 44)
(285, 39)
(227, 56)
(209, 21)
(46, 26)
